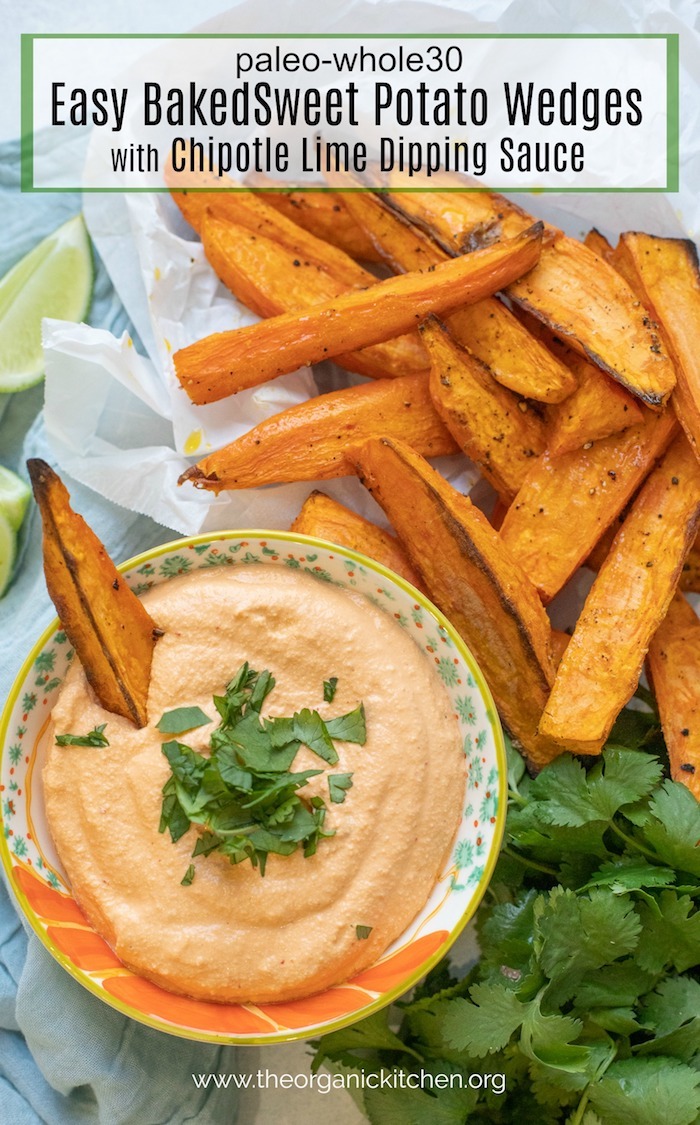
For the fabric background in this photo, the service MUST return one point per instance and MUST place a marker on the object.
(65, 1057)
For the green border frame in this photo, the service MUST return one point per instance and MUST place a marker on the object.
(672, 104)
(477, 894)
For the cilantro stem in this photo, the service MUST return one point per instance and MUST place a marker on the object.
(543, 867)
(580, 1108)
(516, 798)
(632, 843)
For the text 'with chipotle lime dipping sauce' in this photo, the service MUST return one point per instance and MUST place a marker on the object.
(285, 810)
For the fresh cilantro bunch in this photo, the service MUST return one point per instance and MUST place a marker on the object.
(587, 993)
(244, 795)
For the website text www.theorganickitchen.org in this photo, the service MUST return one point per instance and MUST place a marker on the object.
(324, 1082)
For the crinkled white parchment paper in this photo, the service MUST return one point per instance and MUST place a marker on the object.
(120, 423)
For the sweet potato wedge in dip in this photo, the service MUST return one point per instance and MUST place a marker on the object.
(108, 626)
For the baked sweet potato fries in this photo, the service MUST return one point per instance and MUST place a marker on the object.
(105, 622)
(567, 371)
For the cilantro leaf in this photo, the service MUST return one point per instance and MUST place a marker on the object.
(329, 689)
(548, 1039)
(188, 876)
(363, 932)
(485, 1022)
(310, 729)
(674, 832)
(349, 728)
(372, 1033)
(676, 1000)
(671, 933)
(96, 737)
(574, 797)
(575, 934)
(181, 720)
(646, 1092)
(628, 873)
(338, 784)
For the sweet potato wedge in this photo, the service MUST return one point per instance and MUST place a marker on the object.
(268, 278)
(690, 575)
(597, 407)
(567, 502)
(673, 668)
(490, 330)
(500, 433)
(256, 214)
(462, 221)
(582, 298)
(228, 362)
(666, 270)
(628, 601)
(470, 576)
(326, 518)
(323, 213)
(599, 244)
(313, 441)
(105, 622)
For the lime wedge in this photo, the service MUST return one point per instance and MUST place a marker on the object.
(14, 497)
(54, 279)
(8, 545)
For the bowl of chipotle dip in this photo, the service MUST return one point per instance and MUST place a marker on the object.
(304, 826)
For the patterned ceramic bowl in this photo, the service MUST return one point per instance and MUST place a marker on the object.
(44, 894)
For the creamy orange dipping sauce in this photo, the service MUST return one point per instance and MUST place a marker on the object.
(233, 935)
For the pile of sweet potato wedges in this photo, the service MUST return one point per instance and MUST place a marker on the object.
(567, 370)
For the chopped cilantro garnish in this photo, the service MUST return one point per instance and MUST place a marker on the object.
(363, 932)
(182, 719)
(350, 727)
(329, 689)
(243, 795)
(188, 876)
(96, 737)
(338, 784)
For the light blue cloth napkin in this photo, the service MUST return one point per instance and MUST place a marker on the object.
(65, 1057)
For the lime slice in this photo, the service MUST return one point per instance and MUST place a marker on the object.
(8, 544)
(14, 497)
(54, 279)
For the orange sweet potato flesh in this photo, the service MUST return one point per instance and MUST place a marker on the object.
(599, 244)
(490, 330)
(628, 601)
(666, 272)
(256, 213)
(313, 440)
(105, 622)
(463, 221)
(321, 212)
(567, 502)
(597, 407)
(270, 279)
(500, 433)
(326, 518)
(582, 298)
(673, 667)
(228, 362)
(690, 575)
(473, 580)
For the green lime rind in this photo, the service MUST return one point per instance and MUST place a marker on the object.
(15, 494)
(55, 279)
(8, 549)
